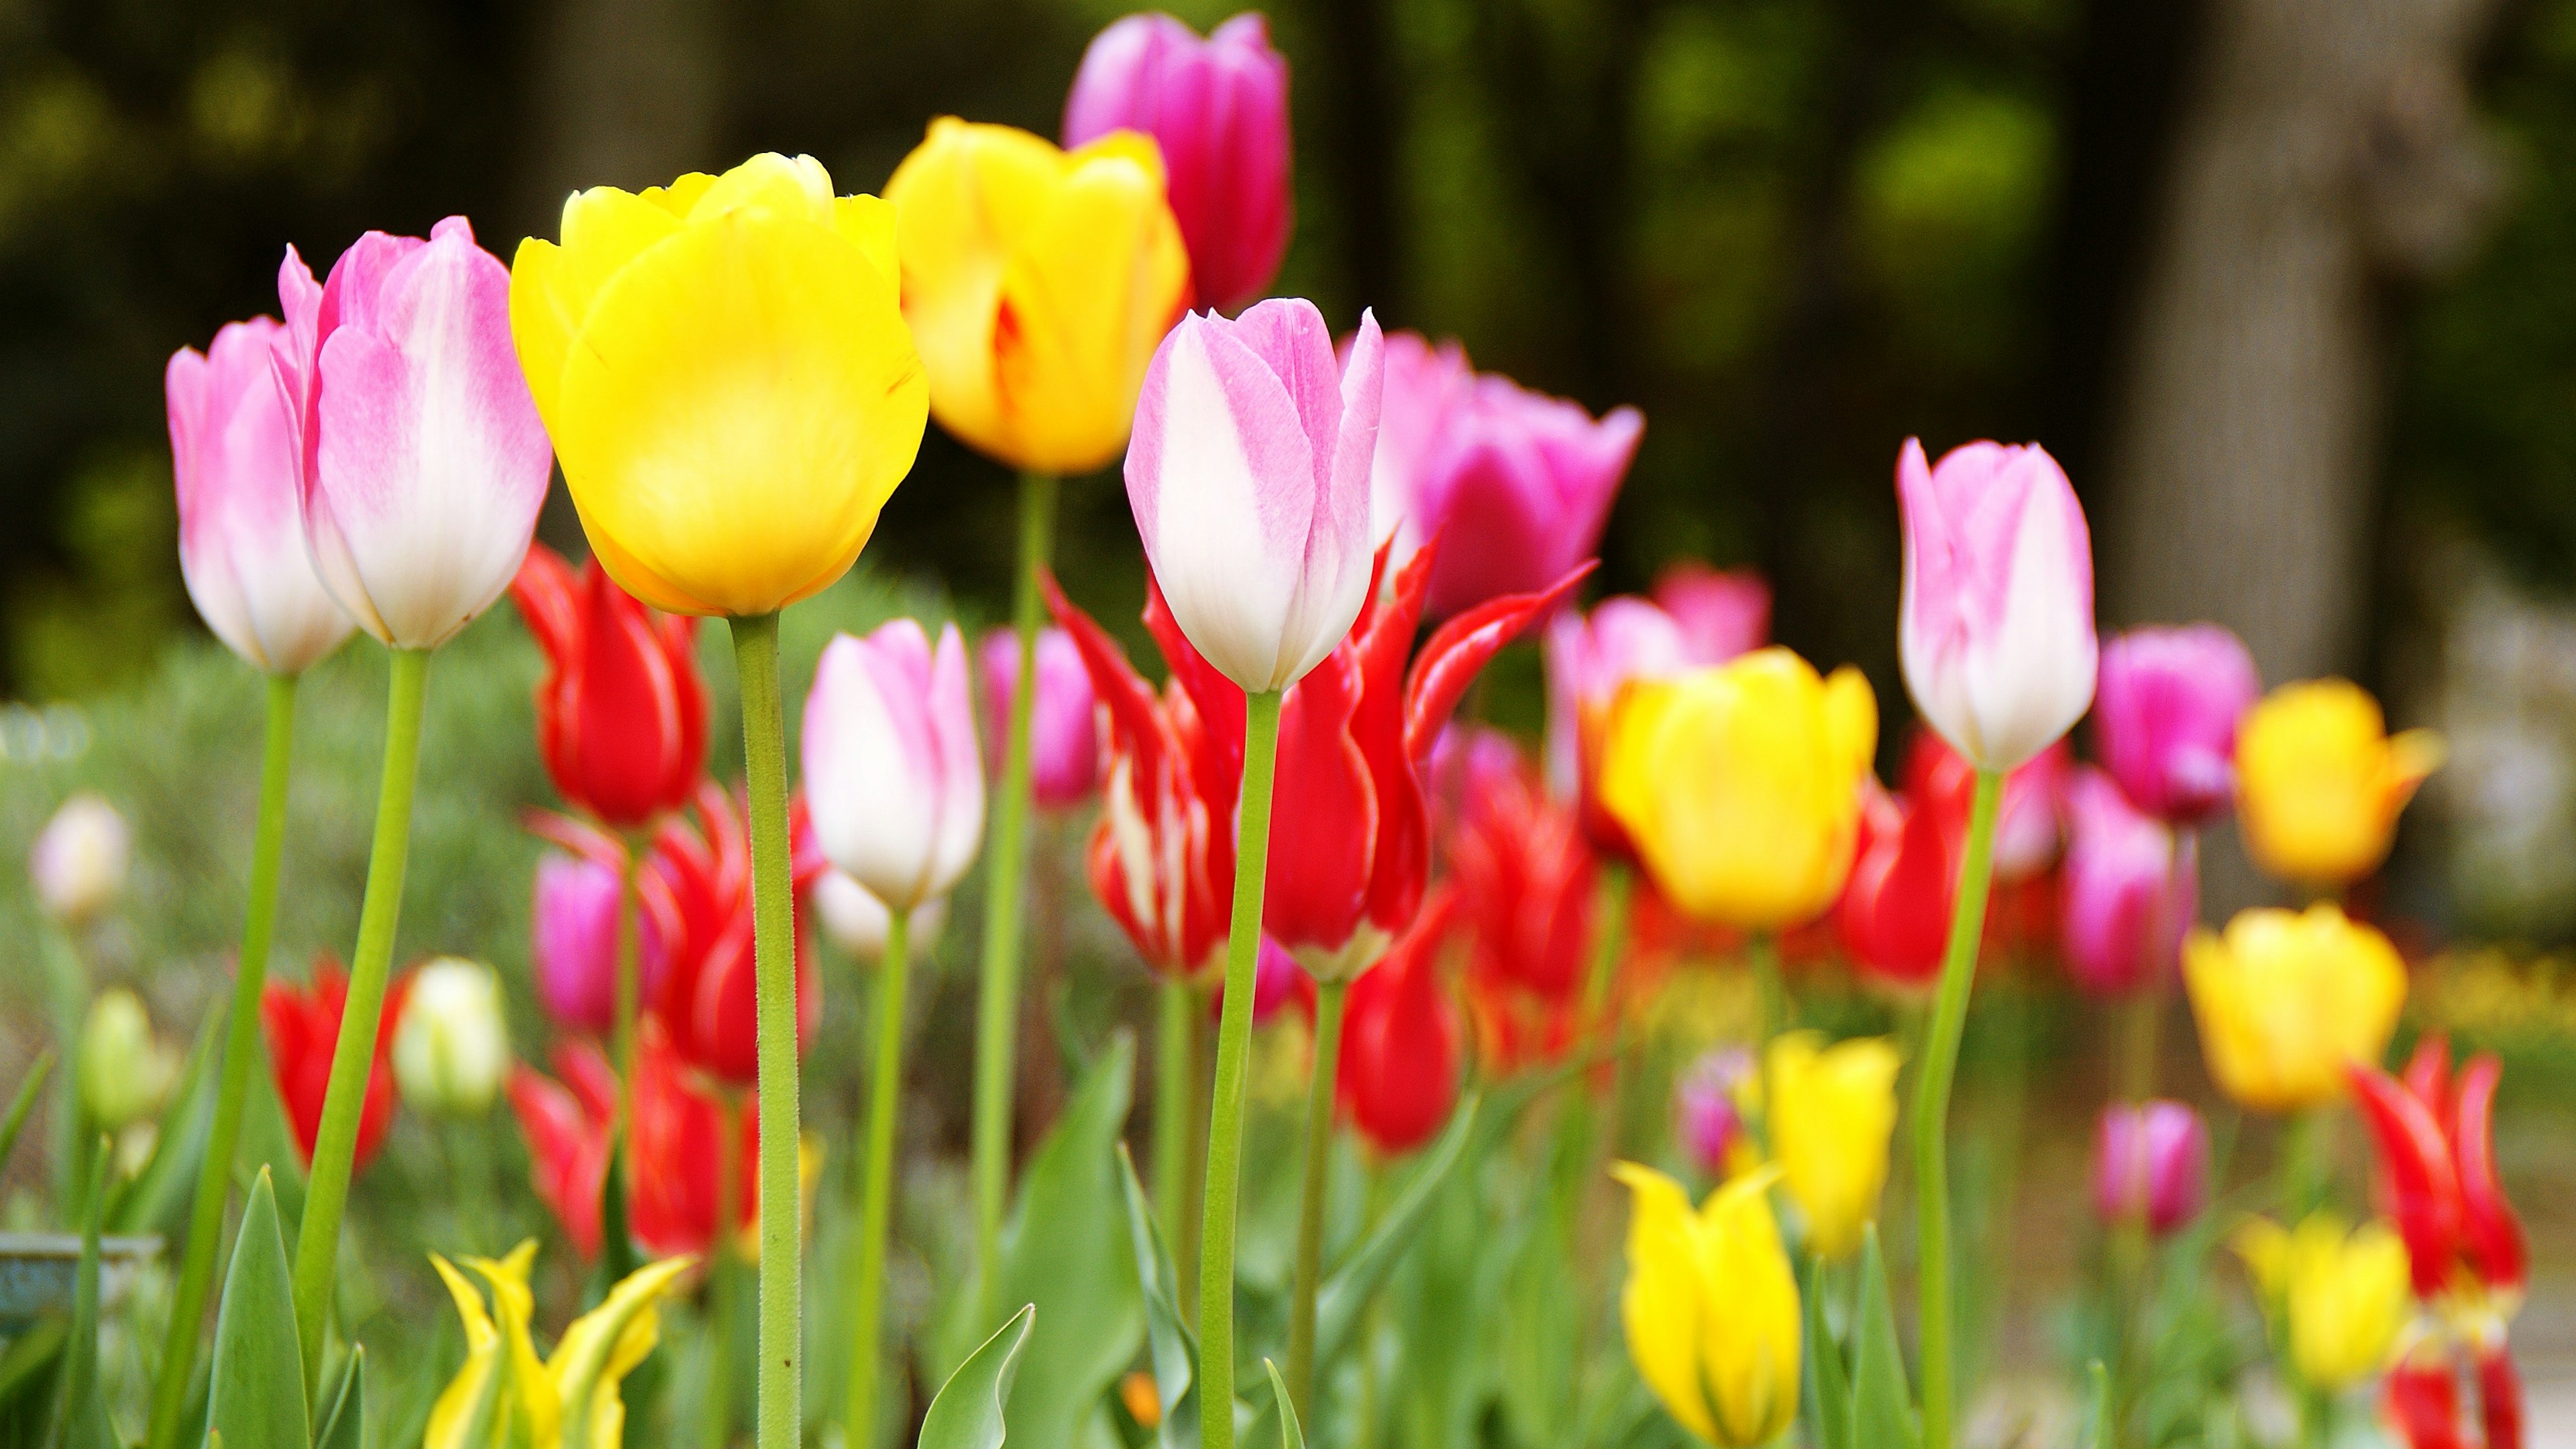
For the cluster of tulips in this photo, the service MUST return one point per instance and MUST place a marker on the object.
(734, 372)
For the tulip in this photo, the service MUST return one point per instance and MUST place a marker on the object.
(1218, 110)
(1741, 784)
(2026, 815)
(505, 1398)
(891, 770)
(422, 457)
(79, 861)
(621, 716)
(2130, 891)
(241, 540)
(2286, 1000)
(2150, 1165)
(1894, 916)
(303, 1028)
(1259, 536)
(1064, 733)
(124, 1071)
(1996, 634)
(2339, 1297)
(1720, 612)
(2436, 1141)
(2166, 716)
(1397, 1070)
(854, 920)
(696, 894)
(679, 1136)
(451, 1048)
(1711, 1307)
(1710, 1102)
(1424, 384)
(1278, 983)
(1037, 282)
(1525, 883)
(2320, 782)
(1830, 1111)
(573, 941)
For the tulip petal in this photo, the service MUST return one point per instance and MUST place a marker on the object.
(1660, 1306)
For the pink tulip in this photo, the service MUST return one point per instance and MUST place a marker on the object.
(2166, 717)
(1698, 616)
(2150, 1160)
(1249, 479)
(1721, 612)
(1424, 384)
(1064, 733)
(892, 775)
(573, 925)
(421, 459)
(241, 545)
(1711, 1122)
(2027, 819)
(1219, 109)
(1996, 631)
(2130, 895)
(857, 922)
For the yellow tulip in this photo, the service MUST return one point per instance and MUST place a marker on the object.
(2287, 999)
(1832, 1111)
(505, 1398)
(2320, 782)
(2340, 1300)
(1711, 1307)
(725, 369)
(1039, 282)
(1740, 784)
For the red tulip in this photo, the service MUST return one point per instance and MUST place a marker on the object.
(570, 1125)
(303, 1029)
(2421, 1397)
(1895, 911)
(1398, 1075)
(621, 716)
(1524, 878)
(696, 896)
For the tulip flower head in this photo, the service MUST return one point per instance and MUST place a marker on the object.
(1218, 111)
(1398, 1076)
(1710, 1103)
(1037, 282)
(2166, 716)
(1064, 731)
(2287, 1000)
(2150, 1165)
(892, 773)
(1249, 479)
(728, 377)
(1830, 1111)
(1894, 916)
(621, 715)
(1424, 384)
(2320, 781)
(79, 861)
(696, 899)
(241, 538)
(1996, 633)
(421, 458)
(572, 944)
(2129, 894)
(125, 1072)
(2026, 819)
(2339, 1297)
(570, 1121)
(1711, 1307)
(2436, 1141)
(856, 921)
(1741, 784)
(302, 1024)
(1525, 882)
(451, 1048)
(505, 1395)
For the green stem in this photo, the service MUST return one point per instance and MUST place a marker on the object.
(2307, 1162)
(1175, 1046)
(630, 948)
(326, 1194)
(241, 1058)
(1609, 942)
(876, 1193)
(1233, 1046)
(998, 998)
(717, 1409)
(1330, 999)
(1932, 1115)
(779, 1384)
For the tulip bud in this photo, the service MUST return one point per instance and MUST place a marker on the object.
(1218, 109)
(451, 1048)
(2286, 1000)
(2129, 893)
(1711, 1307)
(1709, 1104)
(1423, 385)
(621, 716)
(2320, 781)
(1064, 731)
(2338, 1298)
(2166, 715)
(891, 770)
(1398, 1075)
(241, 542)
(1249, 479)
(1996, 634)
(79, 860)
(1830, 1111)
(2150, 1165)
(573, 943)
(856, 921)
(423, 460)
(302, 1027)
(698, 941)
(125, 1072)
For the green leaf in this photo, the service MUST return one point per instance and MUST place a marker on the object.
(967, 1411)
(345, 1426)
(25, 1368)
(1167, 1333)
(1829, 1393)
(1346, 1291)
(158, 1199)
(1882, 1406)
(1061, 1256)
(1290, 1435)
(2097, 1409)
(29, 1087)
(257, 1398)
(81, 1405)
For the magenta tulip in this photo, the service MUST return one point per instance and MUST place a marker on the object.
(1708, 1104)
(573, 946)
(1720, 612)
(2166, 715)
(1424, 384)
(2130, 894)
(2150, 1161)
(241, 544)
(893, 779)
(1064, 731)
(1249, 479)
(1996, 632)
(1219, 109)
